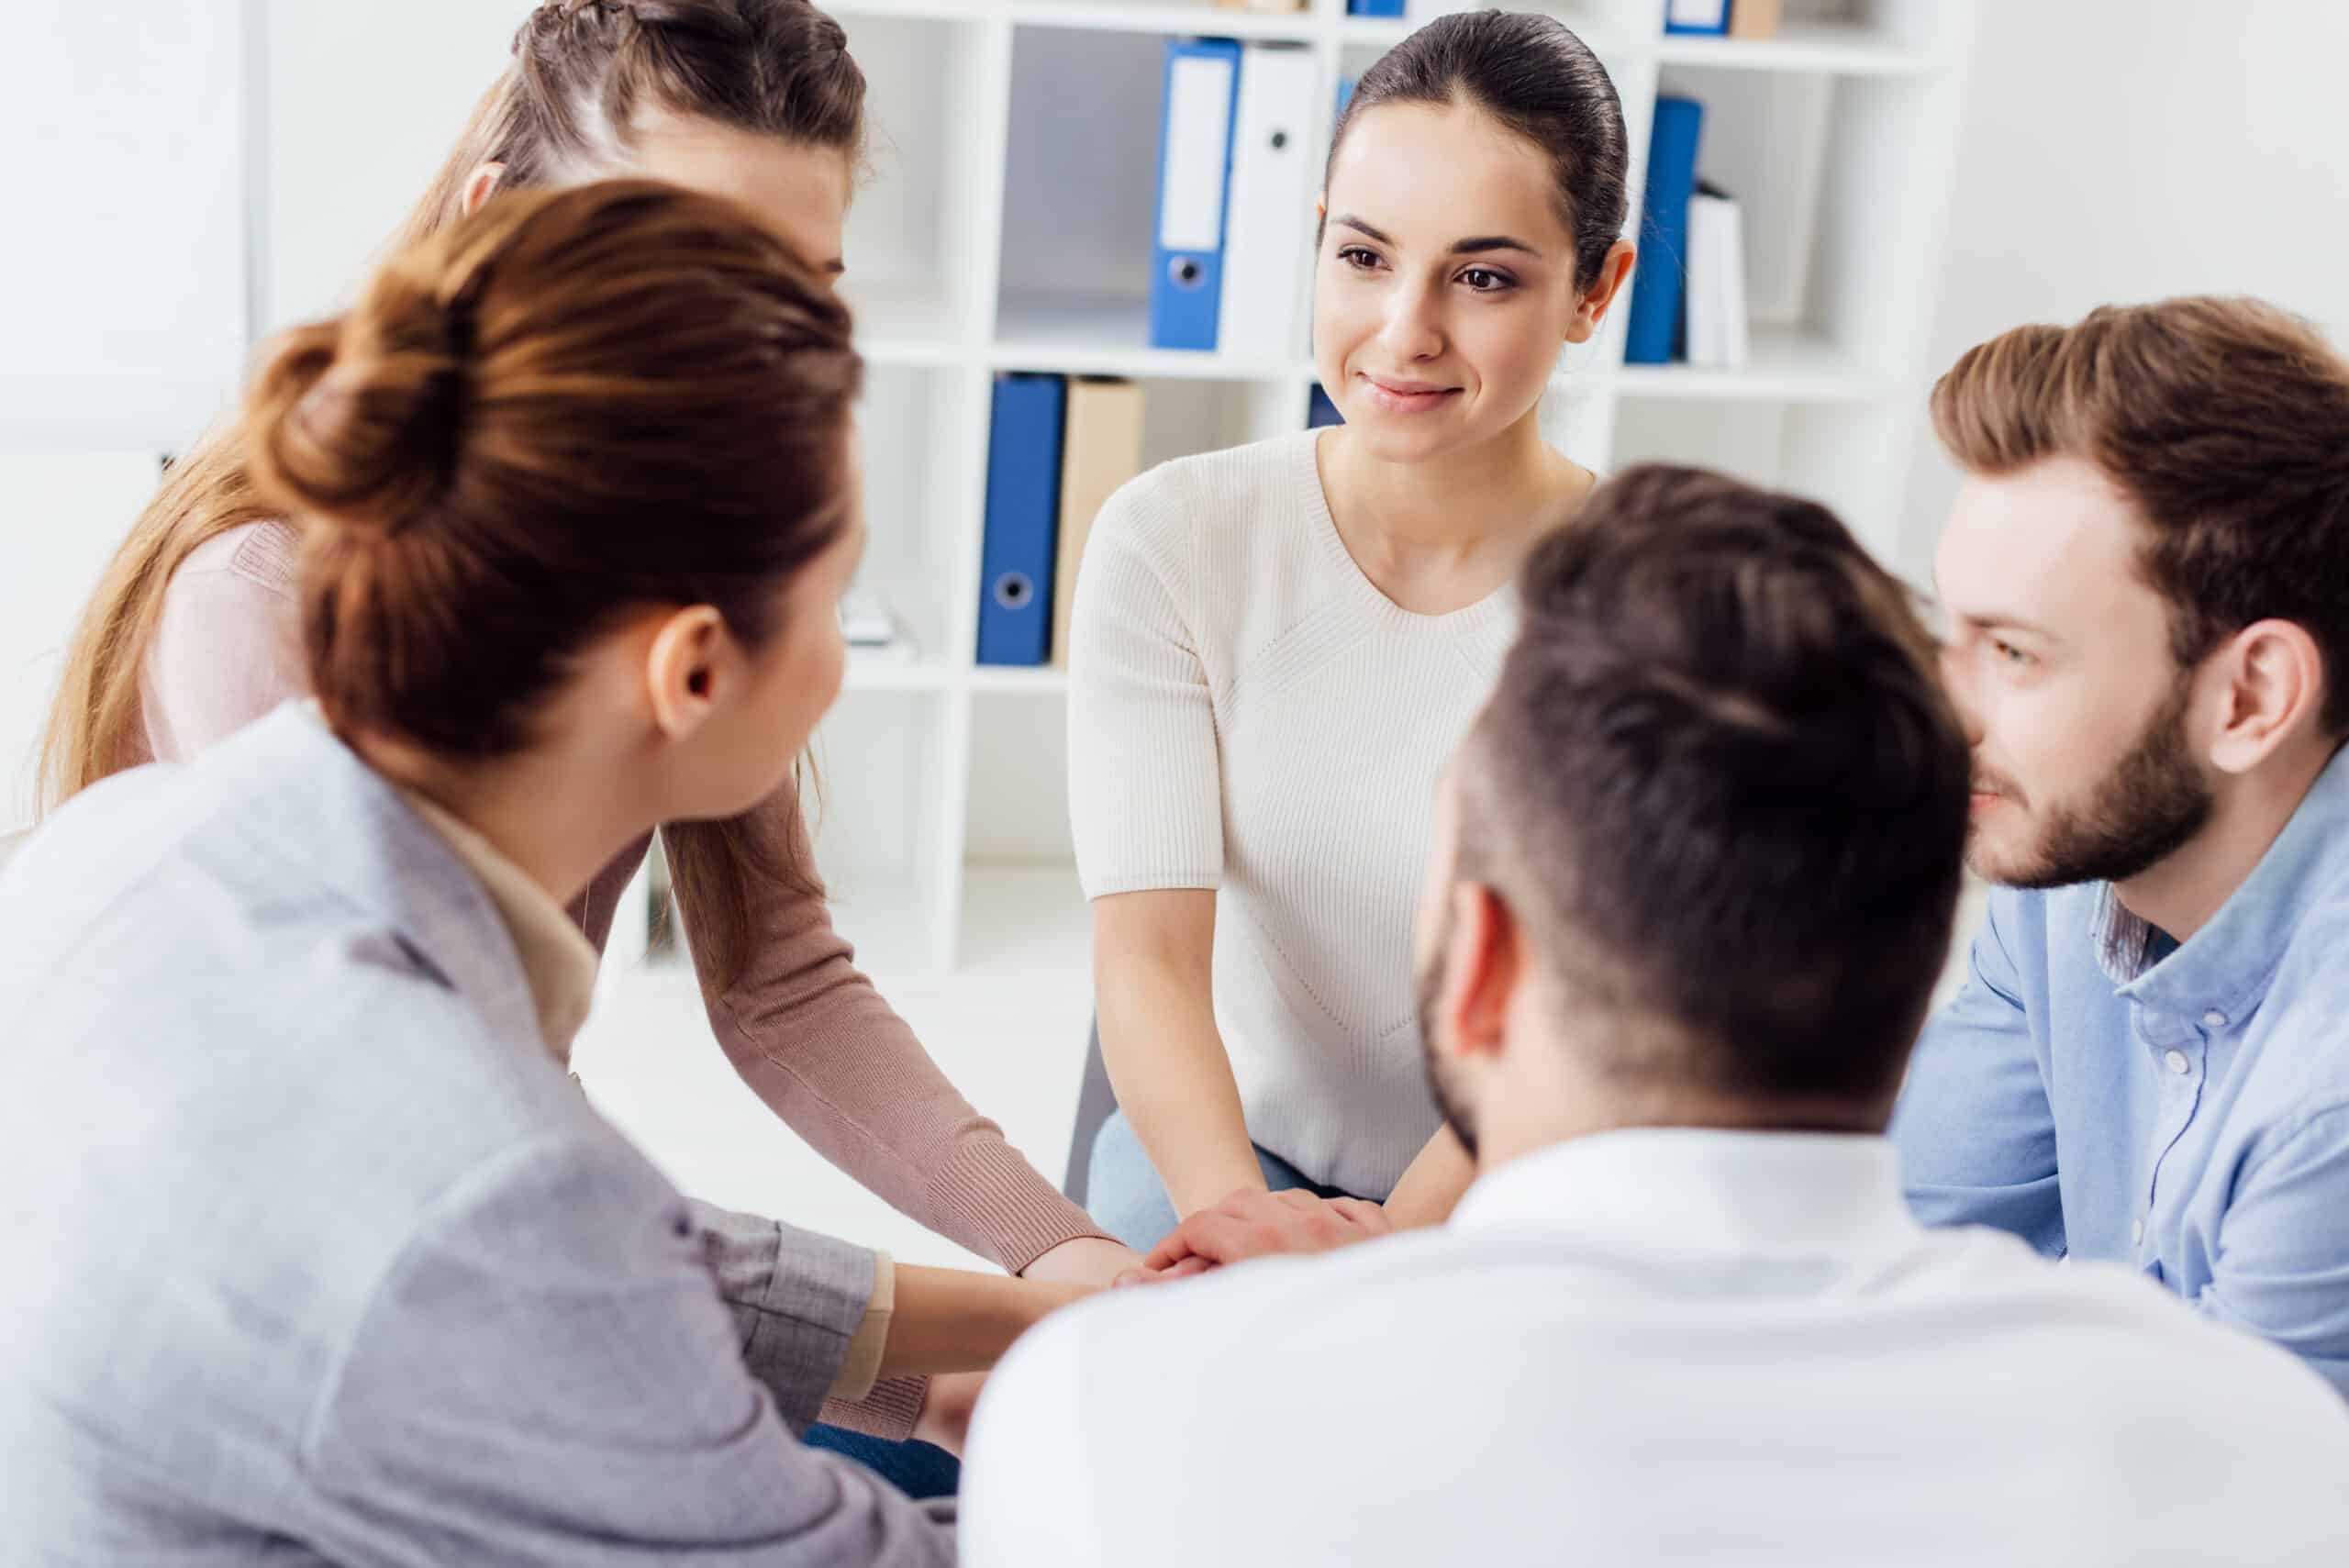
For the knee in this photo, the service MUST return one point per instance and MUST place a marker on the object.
(1123, 1192)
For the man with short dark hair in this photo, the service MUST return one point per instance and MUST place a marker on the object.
(2146, 576)
(1696, 871)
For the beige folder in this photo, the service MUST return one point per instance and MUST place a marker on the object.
(1101, 450)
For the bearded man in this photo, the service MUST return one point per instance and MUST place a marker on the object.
(2146, 582)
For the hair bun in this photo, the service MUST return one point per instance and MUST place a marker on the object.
(356, 422)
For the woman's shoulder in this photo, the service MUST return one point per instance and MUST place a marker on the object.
(1231, 499)
(258, 558)
(226, 647)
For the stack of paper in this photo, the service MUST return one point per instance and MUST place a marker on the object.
(865, 620)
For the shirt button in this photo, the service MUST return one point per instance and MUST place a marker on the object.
(2137, 1234)
(2214, 1019)
(2178, 1062)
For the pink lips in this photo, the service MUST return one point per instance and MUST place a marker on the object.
(1406, 397)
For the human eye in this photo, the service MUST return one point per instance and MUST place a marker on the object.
(2014, 658)
(1486, 280)
(1360, 258)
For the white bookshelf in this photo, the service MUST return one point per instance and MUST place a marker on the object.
(1008, 226)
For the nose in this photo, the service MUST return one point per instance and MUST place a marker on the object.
(1413, 330)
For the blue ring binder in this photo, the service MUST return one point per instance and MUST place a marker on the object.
(1023, 512)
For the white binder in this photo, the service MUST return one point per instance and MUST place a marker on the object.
(1268, 241)
(1718, 330)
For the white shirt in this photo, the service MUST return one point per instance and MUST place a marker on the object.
(1658, 1348)
(1249, 715)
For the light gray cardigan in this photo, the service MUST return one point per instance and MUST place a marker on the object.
(316, 1255)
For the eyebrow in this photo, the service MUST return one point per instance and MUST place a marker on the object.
(1998, 620)
(1475, 247)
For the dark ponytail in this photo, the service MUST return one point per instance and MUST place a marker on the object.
(1533, 75)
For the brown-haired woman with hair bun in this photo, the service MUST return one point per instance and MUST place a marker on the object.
(191, 632)
(334, 1260)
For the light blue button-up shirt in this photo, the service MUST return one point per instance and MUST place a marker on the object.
(2101, 1093)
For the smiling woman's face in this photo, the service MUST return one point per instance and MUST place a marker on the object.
(1445, 282)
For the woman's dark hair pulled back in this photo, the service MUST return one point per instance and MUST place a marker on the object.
(1536, 77)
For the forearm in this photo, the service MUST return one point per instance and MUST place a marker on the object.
(1431, 1186)
(950, 1320)
(1175, 1084)
(814, 1039)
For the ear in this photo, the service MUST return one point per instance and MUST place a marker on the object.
(1591, 312)
(2275, 687)
(683, 669)
(479, 186)
(1481, 971)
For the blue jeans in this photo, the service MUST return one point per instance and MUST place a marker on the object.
(914, 1468)
(1130, 1202)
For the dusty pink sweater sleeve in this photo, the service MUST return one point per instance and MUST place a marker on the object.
(806, 1031)
(802, 1025)
(228, 647)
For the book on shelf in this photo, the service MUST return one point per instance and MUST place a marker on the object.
(1194, 191)
(1059, 447)
(1703, 16)
(1235, 187)
(1754, 18)
(1269, 205)
(1023, 507)
(1654, 334)
(1718, 329)
(1100, 450)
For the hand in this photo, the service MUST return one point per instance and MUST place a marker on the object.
(1253, 1223)
(946, 1407)
(1189, 1268)
(1094, 1262)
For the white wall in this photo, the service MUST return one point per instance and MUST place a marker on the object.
(61, 514)
(2121, 151)
(367, 97)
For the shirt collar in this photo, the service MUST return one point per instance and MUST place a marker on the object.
(558, 961)
(1782, 1193)
(2226, 965)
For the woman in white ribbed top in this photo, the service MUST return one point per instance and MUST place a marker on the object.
(1276, 649)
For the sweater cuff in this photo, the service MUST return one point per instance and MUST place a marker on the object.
(888, 1412)
(990, 1198)
(860, 1367)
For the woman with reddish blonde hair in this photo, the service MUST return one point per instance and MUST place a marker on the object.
(337, 1264)
(192, 633)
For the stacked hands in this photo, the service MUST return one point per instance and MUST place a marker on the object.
(1250, 1223)
(1253, 1223)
